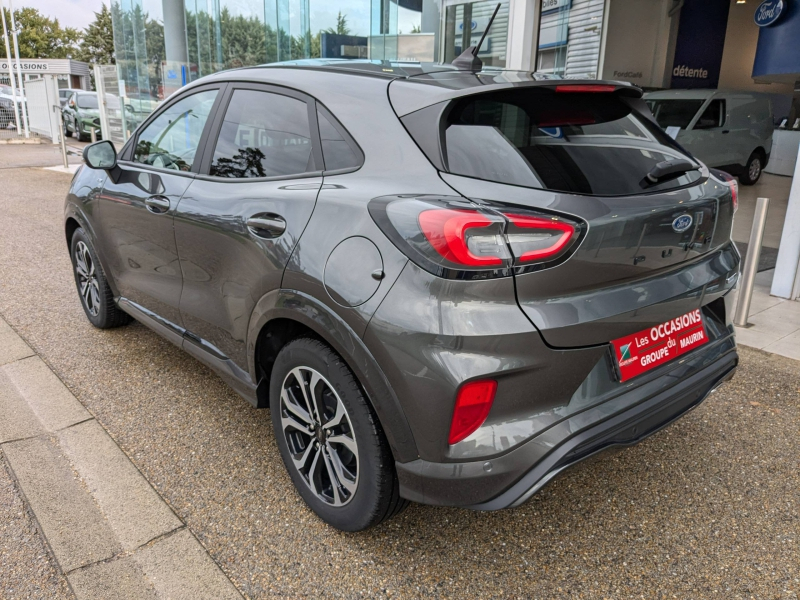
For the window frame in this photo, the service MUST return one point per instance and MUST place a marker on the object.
(216, 127)
(126, 154)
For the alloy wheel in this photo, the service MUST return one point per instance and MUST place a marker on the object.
(88, 285)
(755, 169)
(319, 436)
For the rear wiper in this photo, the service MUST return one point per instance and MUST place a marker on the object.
(668, 169)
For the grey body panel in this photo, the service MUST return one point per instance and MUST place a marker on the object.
(139, 245)
(222, 286)
(619, 280)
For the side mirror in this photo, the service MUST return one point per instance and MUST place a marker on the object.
(100, 155)
(71, 103)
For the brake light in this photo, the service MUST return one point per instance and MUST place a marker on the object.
(473, 403)
(586, 88)
(538, 239)
(464, 237)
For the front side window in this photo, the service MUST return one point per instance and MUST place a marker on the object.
(584, 143)
(170, 141)
(674, 113)
(713, 116)
(263, 135)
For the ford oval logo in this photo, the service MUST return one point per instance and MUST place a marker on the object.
(682, 223)
(768, 12)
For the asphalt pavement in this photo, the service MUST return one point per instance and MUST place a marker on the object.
(707, 508)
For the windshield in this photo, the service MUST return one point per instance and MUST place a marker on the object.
(87, 101)
(674, 113)
(573, 142)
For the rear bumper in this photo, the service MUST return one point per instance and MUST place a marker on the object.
(626, 419)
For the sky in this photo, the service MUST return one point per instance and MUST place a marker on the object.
(70, 13)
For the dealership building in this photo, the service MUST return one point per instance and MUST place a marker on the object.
(164, 44)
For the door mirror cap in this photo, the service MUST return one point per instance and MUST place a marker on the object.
(100, 155)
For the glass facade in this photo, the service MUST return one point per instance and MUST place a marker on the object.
(162, 45)
(569, 38)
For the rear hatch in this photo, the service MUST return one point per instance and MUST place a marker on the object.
(648, 249)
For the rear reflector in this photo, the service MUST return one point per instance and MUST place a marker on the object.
(473, 403)
(586, 88)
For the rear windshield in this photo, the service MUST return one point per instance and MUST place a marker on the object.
(585, 143)
(87, 101)
(674, 113)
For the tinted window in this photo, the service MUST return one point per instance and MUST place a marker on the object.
(336, 151)
(674, 113)
(170, 141)
(263, 135)
(713, 116)
(87, 101)
(581, 143)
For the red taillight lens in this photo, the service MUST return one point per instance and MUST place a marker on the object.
(473, 403)
(586, 88)
(464, 237)
(538, 239)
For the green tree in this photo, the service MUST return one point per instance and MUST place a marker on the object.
(341, 25)
(42, 37)
(97, 45)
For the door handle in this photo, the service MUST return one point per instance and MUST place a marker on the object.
(726, 131)
(157, 204)
(266, 225)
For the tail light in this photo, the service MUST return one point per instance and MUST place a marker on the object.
(473, 403)
(458, 239)
(728, 180)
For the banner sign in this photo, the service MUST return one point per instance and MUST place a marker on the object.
(698, 48)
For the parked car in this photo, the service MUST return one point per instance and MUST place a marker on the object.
(81, 114)
(731, 131)
(447, 286)
(65, 93)
(6, 112)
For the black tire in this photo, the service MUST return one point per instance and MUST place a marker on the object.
(377, 493)
(753, 169)
(99, 305)
(67, 132)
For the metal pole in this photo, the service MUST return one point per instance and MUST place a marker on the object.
(751, 263)
(24, 102)
(10, 66)
(61, 136)
(93, 134)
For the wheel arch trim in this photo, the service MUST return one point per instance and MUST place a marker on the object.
(304, 309)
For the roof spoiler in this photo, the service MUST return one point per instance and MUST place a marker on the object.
(468, 60)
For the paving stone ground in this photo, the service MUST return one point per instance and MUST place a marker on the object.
(707, 508)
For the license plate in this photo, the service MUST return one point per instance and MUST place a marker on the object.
(640, 352)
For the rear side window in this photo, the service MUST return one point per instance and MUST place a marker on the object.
(674, 113)
(338, 152)
(585, 143)
(263, 135)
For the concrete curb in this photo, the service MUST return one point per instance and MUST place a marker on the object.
(109, 531)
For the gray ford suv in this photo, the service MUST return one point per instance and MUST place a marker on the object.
(447, 285)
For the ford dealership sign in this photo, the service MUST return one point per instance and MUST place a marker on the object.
(768, 12)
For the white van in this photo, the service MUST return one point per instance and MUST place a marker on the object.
(731, 131)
